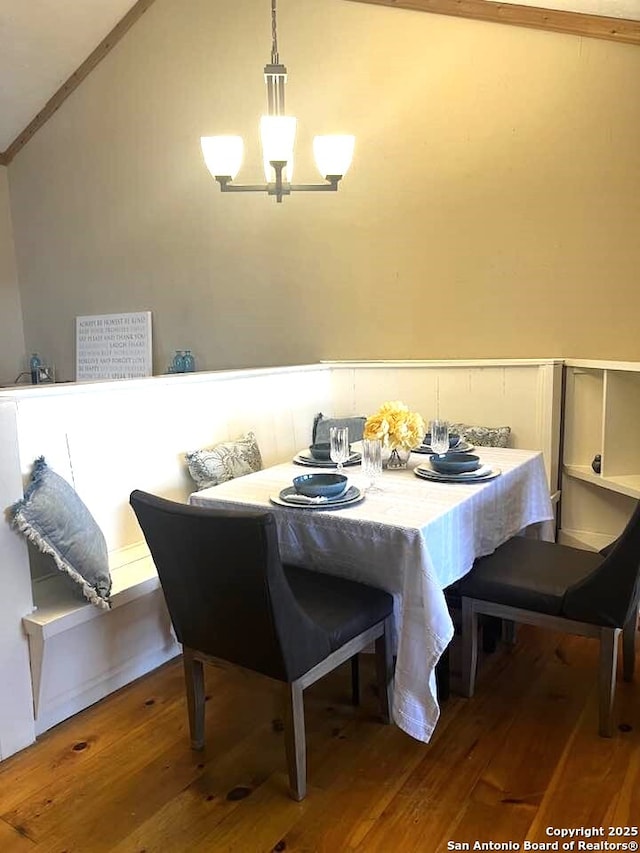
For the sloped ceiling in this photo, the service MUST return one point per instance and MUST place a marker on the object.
(42, 42)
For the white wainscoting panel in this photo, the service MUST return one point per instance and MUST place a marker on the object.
(522, 394)
(16, 703)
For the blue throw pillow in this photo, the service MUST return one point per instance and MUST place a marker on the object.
(52, 516)
(322, 426)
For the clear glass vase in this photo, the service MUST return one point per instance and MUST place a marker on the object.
(396, 458)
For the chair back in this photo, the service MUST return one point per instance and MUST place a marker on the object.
(609, 595)
(225, 587)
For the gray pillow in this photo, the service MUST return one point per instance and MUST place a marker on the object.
(482, 436)
(52, 516)
(322, 425)
(225, 461)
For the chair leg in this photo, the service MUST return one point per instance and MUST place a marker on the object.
(294, 740)
(384, 670)
(629, 646)
(443, 677)
(491, 633)
(509, 630)
(607, 678)
(469, 646)
(194, 684)
(355, 680)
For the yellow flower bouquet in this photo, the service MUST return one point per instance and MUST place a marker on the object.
(397, 428)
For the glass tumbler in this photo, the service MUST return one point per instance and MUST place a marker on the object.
(439, 436)
(371, 461)
(339, 446)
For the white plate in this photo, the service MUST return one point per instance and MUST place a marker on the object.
(461, 447)
(305, 458)
(353, 495)
(479, 476)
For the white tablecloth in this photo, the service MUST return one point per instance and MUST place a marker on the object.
(411, 538)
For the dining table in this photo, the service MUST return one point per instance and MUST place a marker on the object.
(409, 536)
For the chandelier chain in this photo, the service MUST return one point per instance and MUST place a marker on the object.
(275, 59)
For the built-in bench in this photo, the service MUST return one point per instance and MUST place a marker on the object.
(109, 438)
(133, 574)
(57, 611)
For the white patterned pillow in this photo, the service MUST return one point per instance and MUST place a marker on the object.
(225, 461)
(482, 436)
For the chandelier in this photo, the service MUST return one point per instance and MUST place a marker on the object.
(223, 154)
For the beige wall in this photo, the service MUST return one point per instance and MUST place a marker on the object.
(497, 173)
(12, 354)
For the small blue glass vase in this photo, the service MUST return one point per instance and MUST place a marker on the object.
(178, 362)
(189, 362)
(35, 363)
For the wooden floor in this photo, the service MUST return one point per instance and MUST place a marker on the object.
(523, 755)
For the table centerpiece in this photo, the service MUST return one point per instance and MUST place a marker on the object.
(399, 430)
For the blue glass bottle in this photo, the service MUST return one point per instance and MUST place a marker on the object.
(178, 362)
(35, 363)
(189, 362)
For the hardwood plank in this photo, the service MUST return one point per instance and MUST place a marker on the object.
(13, 841)
(161, 766)
(588, 782)
(429, 803)
(194, 817)
(63, 751)
(196, 811)
(359, 777)
(573, 23)
(523, 754)
(508, 792)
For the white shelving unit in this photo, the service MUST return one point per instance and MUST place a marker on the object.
(601, 416)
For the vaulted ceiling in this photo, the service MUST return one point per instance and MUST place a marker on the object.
(48, 46)
(42, 42)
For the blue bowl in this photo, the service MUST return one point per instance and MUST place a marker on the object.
(454, 440)
(457, 464)
(321, 485)
(322, 451)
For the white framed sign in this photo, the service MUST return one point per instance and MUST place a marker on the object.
(113, 346)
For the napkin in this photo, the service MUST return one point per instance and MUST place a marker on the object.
(303, 499)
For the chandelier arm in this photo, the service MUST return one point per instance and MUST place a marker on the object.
(279, 188)
(226, 186)
(330, 186)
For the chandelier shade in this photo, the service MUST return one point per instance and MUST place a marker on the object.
(333, 154)
(278, 136)
(223, 154)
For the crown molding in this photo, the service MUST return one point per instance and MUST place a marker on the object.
(72, 83)
(573, 23)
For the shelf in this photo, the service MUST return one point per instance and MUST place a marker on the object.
(583, 416)
(585, 539)
(590, 364)
(601, 412)
(628, 485)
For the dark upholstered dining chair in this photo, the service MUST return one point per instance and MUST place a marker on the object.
(564, 589)
(231, 598)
